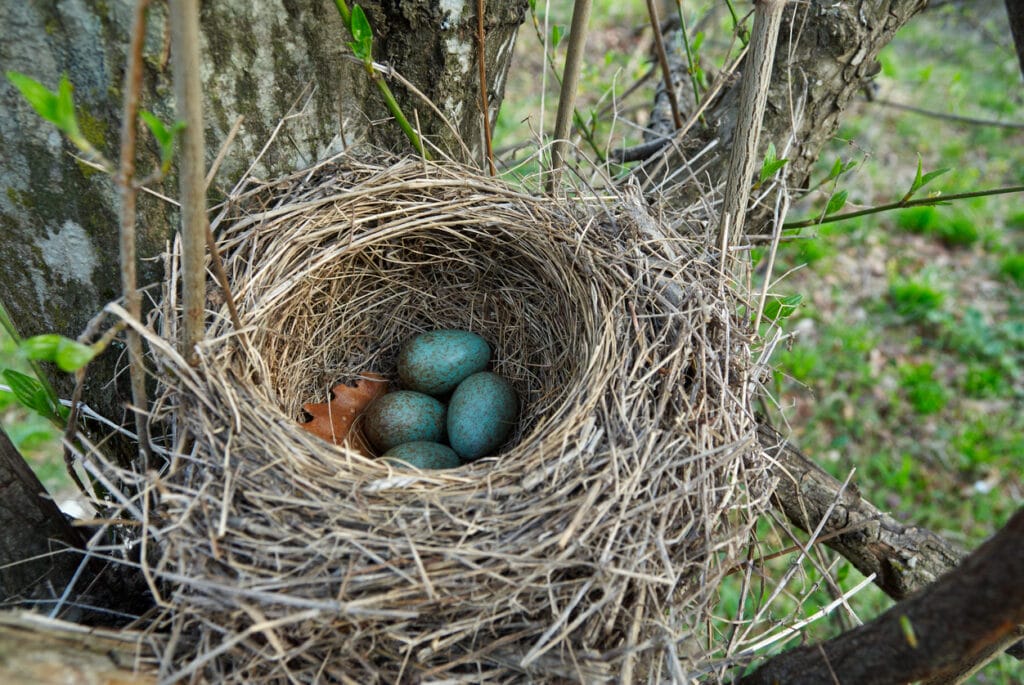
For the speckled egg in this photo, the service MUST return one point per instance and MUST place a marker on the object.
(481, 415)
(423, 455)
(437, 361)
(401, 417)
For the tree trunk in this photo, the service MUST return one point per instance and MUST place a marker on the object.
(1015, 13)
(58, 218)
(262, 61)
(825, 55)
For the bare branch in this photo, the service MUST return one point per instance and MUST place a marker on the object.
(126, 185)
(954, 621)
(184, 19)
(904, 559)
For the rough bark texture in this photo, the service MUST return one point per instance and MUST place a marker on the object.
(825, 55)
(904, 559)
(58, 218)
(38, 546)
(929, 636)
(37, 651)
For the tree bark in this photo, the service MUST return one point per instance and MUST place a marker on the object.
(929, 636)
(1015, 13)
(904, 559)
(825, 55)
(58, 218)
(261, 61)
(39, 549)
(40, 651)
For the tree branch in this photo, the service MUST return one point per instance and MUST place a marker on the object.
(904, 559)
(570, 83)
(754, 87)
(826, 53)
(184, 20)
(930, 636)
(126, 185)
(1015, 13)
(32, 529)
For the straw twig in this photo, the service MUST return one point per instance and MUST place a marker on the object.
(754, 86)
(481, 56)
(184, 22)
(570, 83)
(126, 185)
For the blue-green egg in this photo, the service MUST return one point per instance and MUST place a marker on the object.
(403, 416)
(423, 455)
(437, 361)
(481, 415)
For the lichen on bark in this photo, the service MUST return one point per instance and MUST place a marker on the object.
(263, 61)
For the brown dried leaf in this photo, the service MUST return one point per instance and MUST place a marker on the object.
(333, 420)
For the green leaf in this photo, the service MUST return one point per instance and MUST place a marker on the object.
(836, 202)
(837, 168)
(362, 34)
(908, 631)
(42, 99)
(72, 355)
(779, 308)
(163, 135)
(41, 347)
(920, 180)
(932, 175)
(556, 35)
(66, 353)
(771, 164)
(66, 120)
(56, 107)
(28, 391)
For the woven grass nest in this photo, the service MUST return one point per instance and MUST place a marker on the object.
(589, 550)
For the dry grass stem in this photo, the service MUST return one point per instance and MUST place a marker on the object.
(590, 548)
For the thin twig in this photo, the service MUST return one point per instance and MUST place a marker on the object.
(902, 204)
(570, 82)
(974, 121)
(211, 242)
(184, 20)
(222, 153)
(691, 57)
(577, 118)
(481, 55)
(125, 182)
(781, 210)
(666, 71)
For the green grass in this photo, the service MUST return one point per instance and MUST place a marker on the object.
(915, 297)
(910, 363)
(1011, 267)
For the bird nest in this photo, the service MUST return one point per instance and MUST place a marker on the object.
(590, 548)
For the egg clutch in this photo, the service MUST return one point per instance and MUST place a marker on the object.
(450, 410)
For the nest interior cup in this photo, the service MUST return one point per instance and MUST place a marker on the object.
(631, 474)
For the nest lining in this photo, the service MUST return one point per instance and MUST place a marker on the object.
(589, 548)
